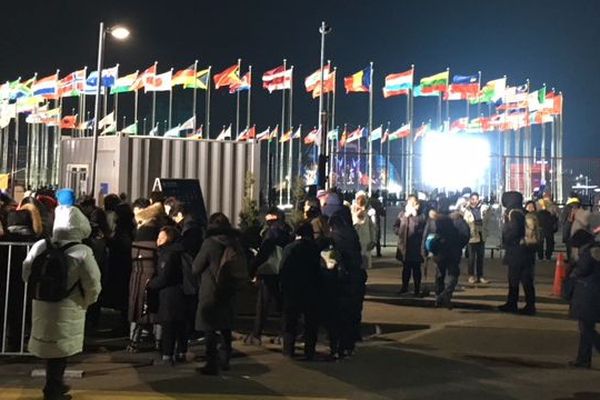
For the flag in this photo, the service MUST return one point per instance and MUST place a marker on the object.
(243, 135)
(422, 130)
(264, 135)
(463, 87)
(398, 84)
(356, 134)
(459, 125)
(536, 100)
(197, 134)
(46, 87)
(287, 136)
(227, 77)
(189, 124)
(109, 119)
(516, 94)
(86, 124)
(328, 85)
(344, 137)
(313, 137)
(244, 84)
(313, 80)
(251, 133)
(435, 83)
(111, 128)
(68, 122)
(225, 133)
(298, 133)
(418, 92)
(72, 84)
(144, 78)
(358, 82)
(332, 134)
(124, 84)
(554, 103)
(402, 132)
(159, 82)
(173, 132)
(491, 92)
(20, 89)
(184, 77)
(44, 116)
(131, 129)
(153, 131)
(4, 91)
(109, 77)
(376, 134)
(277, 79)
(274, 133)
(201, 81)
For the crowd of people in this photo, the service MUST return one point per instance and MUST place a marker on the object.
(173, 275)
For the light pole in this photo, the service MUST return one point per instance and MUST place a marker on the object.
(322, 166)
(120, 33)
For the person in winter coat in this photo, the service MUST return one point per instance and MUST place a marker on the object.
(519, 261)
(168, 281)
(454, 235)
(58, 327)
(348, 289)
(365, 228)
(265, 268)
(547, 217)
(585, 300)
(312, 214)
(476, 215)
(215, 302)
(566, 221)
(143, 254)
(192, 233)
(299, 275)
(409, 227)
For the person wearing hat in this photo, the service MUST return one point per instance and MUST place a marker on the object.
(409, 227)
(585, 298)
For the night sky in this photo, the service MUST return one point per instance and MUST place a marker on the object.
(556, 42)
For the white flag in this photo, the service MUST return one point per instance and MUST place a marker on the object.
(159, 83)
(154, 131)
(130, 129)
(225, 133)
(189, 124)
(173, 132)
(112, 128)
(109, 119)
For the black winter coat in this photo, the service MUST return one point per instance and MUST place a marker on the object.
(192, 235)
(277, 234)
(585, 303)
(300, 271)
(214, 312)
(347, 246)
(513, 232)
(169, 283)
(454, 233)
(409, 230)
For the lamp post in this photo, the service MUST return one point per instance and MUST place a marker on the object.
(120, 33)
(322, 166)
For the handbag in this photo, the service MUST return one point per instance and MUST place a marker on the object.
(271, 266)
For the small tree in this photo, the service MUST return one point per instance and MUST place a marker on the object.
(249, 213)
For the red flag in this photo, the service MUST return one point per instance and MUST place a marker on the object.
(328, 85)
(277, 79)
(68, 122)
(144, 78)
(227, 77)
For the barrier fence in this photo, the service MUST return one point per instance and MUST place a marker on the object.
(14, 299)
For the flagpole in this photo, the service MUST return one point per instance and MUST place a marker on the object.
(345, 158)
(560, 152)
(387, 161)
(171, 103)
(370, 144)
(55, 172)
(334, 150)
(249, 97)
(194, 94)
(83, 100)
(543, 144)
(527, 149)
(448, 99)
(279, 153)
(410, 144)
(207, 113)
(153, 119)
(291, 149)
(237, 103)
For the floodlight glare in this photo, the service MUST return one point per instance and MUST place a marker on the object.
(119, 32)
(454, 161)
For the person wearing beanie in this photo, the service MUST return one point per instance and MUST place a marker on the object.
(66, 197)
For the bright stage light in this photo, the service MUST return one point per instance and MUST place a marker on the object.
(454, 161)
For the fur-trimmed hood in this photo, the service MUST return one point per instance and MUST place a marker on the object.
(145, 215)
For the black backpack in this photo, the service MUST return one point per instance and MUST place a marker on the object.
(49, 274)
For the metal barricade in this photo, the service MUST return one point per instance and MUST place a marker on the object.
(15, 322)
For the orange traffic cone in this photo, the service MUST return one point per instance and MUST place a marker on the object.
(560, 273)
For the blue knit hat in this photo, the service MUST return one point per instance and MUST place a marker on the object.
(66, 197)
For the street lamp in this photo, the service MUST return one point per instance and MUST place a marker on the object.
(321, 168)
(119, 33)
